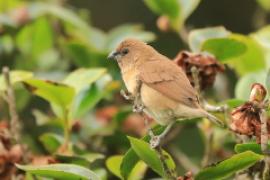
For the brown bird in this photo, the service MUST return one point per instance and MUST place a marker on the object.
(157, 84)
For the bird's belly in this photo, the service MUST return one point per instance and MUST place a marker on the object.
(157, 105)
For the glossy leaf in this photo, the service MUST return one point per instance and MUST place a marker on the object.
(233, 103)
(229, 166)
(40, 9)
(170, 8)
(131, 158)
(252, 60)
(224, 48)
(254, 147)
(82, 78)
(54, 92)
(150, 156)
(243, 86)
(113, 164)
(82, 160)
(89, 97)
(197, 37)
(122, 32)
(263, 36)
(60, 171)
(15, 77)
(51, 141)
(187, 7)
(264, 4)
(138, 171)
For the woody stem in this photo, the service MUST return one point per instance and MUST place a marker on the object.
(264, 144)
(15, 127)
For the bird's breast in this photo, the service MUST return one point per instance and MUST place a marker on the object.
(129, 78)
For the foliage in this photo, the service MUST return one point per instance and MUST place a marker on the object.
(74, 122)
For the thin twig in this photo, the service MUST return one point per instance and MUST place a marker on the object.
(195, 76)
(208, 149)
(15, 127)
(264, 144)
(264, 132)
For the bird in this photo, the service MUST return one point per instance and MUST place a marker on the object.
(157, 85)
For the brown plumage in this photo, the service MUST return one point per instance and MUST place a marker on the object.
(166, 91)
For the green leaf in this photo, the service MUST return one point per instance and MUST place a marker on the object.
(88, 98)
(252, 60)
(229, 166)
(122, 32)
(82, 78)
(79, 53)
(233, 103)
(82, 160)
(138, 171)
(176, 10)
(131, 158)
(197, 37)
(171, 8)
(243, 86)
(254, 147)
(51, 141)
(15, 77)
(224, 48)
(264, 4)
(150, 156)
(187, 7)
(54, 92)
(263, 36)
(60, 171)
(39, 9)
(113, 164)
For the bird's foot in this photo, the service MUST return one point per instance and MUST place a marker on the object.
(138, 108)
(155, 141)
(126, 95)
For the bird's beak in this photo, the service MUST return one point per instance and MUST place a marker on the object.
(113, 55)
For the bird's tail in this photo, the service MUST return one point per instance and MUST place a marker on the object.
(214, 119)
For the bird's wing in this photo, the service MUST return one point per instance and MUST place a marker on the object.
(167, 78)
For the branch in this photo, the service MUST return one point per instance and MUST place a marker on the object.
(15, 127)
(264, 144)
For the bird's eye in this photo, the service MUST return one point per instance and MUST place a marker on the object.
(125, 51)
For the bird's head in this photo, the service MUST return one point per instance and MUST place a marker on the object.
(129, 51)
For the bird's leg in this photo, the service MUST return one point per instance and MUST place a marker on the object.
(156, 140)
(126, 95)
(138, 105)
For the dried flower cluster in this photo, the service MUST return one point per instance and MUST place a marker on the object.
(207, 67)
(246, 118)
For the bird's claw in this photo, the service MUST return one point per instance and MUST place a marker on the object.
(155, 142)
(126, 95)
(138, 108)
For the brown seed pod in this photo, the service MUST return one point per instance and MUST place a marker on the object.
(246, 118)
(258, 92)
(207, 67)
